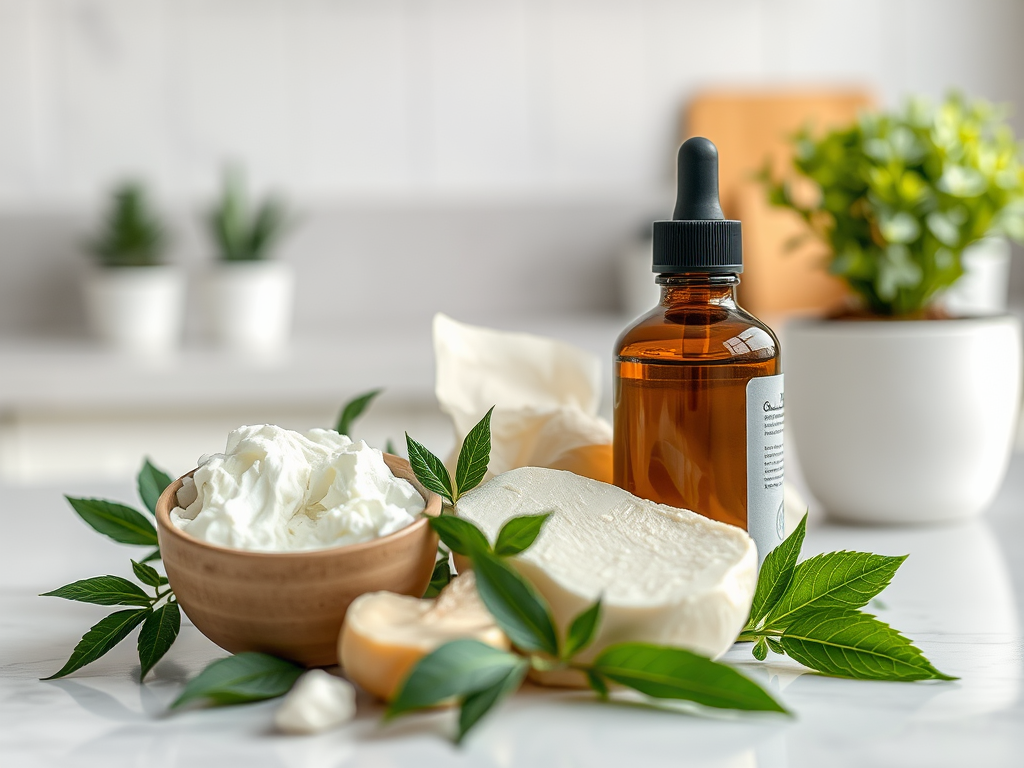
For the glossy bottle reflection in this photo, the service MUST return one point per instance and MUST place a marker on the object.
(681, 375)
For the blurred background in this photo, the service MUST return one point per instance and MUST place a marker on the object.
(500, 161)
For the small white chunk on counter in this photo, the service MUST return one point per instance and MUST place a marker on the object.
(665, 575)
(318, 701)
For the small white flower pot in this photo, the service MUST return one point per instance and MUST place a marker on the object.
(136, 309)
(984, 288)
(249, 304)
(903, 421)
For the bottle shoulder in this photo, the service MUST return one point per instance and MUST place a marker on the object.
(697, 333)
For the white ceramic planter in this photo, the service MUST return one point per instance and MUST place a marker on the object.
(136, 309)
(903, 421)
(249, 304)
(984, 287)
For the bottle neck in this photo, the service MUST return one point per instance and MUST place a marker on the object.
(698, 288)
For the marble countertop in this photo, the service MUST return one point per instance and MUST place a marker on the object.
(959, 596)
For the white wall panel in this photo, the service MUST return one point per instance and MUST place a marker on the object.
(18, 149)
(353, 128)
(810, 41)
(480, 117)
(350, 105)
(413, 96)
(691, 47)
(110, 89)
(973, 46)
(590, 72)
(232, 97)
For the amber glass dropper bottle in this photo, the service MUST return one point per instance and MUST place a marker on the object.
(698, 381)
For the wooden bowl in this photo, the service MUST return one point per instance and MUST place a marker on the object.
(291, 604)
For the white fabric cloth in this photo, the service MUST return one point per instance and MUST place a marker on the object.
(545, 395)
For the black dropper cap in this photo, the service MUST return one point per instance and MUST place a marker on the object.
(698, 238)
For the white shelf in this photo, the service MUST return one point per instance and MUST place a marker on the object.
(66, 375)
(73, 410)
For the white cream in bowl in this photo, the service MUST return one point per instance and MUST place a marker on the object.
(275, 490)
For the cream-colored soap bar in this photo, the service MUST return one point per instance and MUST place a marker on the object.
(665, 575)
(385, 634)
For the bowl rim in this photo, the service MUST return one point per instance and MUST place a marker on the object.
(168, 501)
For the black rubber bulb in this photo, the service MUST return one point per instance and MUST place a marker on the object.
(697, 182)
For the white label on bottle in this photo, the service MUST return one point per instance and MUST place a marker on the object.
(766, 508)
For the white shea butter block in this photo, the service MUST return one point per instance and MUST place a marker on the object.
(667, 576)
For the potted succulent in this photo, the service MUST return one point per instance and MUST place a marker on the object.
(133, 299)
(901, 410)
(248, 294)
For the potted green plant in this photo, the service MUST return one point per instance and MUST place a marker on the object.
(134, 300)
(901, 409)
(248, 294)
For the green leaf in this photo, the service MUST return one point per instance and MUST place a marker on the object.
(776, 574)
(849, 643)
(148, 575)
(834, 580)
(760, 649)
(475, 705)
(674, 673)
(241, 233)
(154, 555)
(597, 684)
(157, 635)
(582, 630)
(457, 668)
(459, 534)
(429, 470)
(103, 590)
(353, 409)
(519, 533)
(132, 234)
(266, 228)
(152, 482)
(103, 636)
(440, 578)
(515, 605)
(116, 521)
(474, 456)
(241, 678)
(775, 645)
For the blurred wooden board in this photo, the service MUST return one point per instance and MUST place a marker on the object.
(750, 127)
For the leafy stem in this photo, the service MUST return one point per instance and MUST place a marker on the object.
(470, 469)
(353, 409)
(808, 610)
(811, 612)
(160, 625)
(479, 676)
(127, 525)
